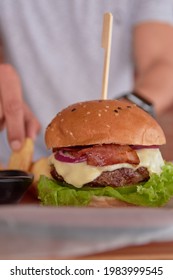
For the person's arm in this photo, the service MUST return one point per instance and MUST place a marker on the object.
(153, 56)
(15, 115)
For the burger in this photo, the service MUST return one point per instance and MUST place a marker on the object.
(105, 153)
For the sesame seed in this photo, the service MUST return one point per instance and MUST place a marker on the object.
(99, 114)
(107, 106)
(62, 120)
(88, 113)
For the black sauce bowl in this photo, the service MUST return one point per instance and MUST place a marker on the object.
(13, 185)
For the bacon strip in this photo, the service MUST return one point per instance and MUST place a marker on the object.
(107, 154)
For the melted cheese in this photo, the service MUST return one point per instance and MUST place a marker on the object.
(78, 174)
(151, 159)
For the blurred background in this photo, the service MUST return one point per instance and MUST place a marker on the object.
(165, 120)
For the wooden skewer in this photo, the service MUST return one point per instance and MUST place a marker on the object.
(106, 44)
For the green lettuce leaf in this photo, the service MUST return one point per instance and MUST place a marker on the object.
(156, 192)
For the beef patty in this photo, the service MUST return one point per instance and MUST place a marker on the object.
(117, 178)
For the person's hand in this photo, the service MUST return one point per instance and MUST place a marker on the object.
(15, 115)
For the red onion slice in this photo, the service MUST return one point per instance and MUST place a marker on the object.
(139, 147)
(66, 157)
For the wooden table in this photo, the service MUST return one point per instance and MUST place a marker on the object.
(151, 251)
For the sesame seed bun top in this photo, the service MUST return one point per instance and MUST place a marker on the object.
(103, 122)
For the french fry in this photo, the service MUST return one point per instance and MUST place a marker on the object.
(1, 166)
(38, 168)
(22, 159)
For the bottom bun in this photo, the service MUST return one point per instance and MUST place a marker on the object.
(107, 202)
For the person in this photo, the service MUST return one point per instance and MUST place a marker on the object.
(53, 57)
